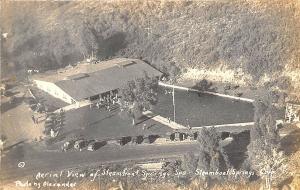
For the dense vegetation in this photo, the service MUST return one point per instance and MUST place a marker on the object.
(139, 95)
(266, 156)
(259, 38)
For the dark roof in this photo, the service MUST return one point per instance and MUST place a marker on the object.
(87, 85)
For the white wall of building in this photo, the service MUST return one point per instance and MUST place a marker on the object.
(54, 90)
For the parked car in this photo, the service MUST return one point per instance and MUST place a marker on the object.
(68, 145)
(177, 136)
(120, 142)
(137, 140)
(124, 140)
(80, 144)
(152, 138)
(95, 145)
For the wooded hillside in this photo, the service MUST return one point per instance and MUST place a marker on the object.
(258, 36)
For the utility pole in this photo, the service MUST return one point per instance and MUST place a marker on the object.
(174, 107)
(173, 100)
(1, 149)
(99, 182)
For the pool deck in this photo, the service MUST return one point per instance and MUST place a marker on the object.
(205, 92)
(164, 120)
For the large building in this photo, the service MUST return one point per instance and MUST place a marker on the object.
(87, 81)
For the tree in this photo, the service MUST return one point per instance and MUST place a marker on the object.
(139, 95)
(208, 139)
(203, 85)
(269, 162)
(211, 156)
(264, 150)
(174, 72)
(265, 121)
(190, 163)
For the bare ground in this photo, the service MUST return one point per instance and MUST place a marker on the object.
(16, 122)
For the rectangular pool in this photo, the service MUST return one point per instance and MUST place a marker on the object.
(200, 109)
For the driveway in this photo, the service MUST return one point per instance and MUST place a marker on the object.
(37, 160)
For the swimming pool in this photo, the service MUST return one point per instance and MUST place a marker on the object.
(200, 109)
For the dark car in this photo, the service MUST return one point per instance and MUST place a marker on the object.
(124, 140)
(68, 145)
(177, 136)
(120, 142)
(95, 145)
(137, 140)
(153, 138)
(80, 144)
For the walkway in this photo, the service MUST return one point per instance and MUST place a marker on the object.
(235, 125)
(228, 125)
(163, 120)
(206, 92)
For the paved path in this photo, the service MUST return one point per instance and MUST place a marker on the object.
(206, 92)
(228, 125)
(235, 125)
(164, 120)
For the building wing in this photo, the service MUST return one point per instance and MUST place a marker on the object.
(85, 85)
